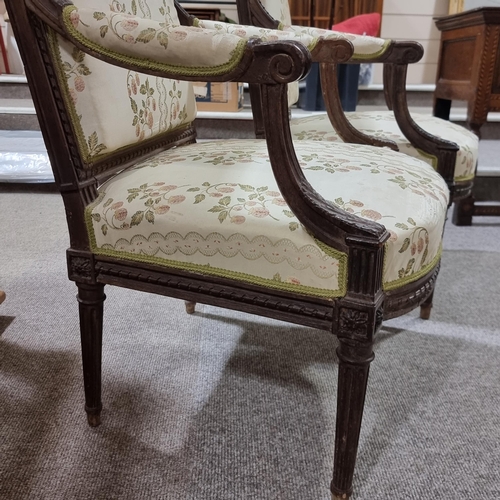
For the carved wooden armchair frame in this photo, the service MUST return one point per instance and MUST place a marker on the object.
(353, 317)
(395, 59)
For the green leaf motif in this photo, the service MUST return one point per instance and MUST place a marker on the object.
(149, 203)
(339, 201)
(134, 7)
(261, 189)
(406, 244)
(409, 266)
(288, 213)
(133, 105)
(402, 226)
(99, 15)
(137, 218)
(83, 70)
(150, 216)
(192, 190)
(199, 198)
(216, 209)
(293, 226)
(206, 184)
(411, 221)
(108, 202)
(225, 201)
(96, 217)
(145, 36)
(103, 30)
(277, 277)
(78, 55)
(67, 67)
(246, 187)
(132, 196)
(104, 229)
(222, 216)
(162, 39)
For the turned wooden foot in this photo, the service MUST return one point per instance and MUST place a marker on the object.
(190, 306)
(463, 211)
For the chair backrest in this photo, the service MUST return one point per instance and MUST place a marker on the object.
(112, 108)
(279, 9)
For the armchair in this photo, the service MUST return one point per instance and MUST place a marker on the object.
(332, 236)
(451, 149)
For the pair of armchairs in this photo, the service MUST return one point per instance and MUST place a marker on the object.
(329, 235)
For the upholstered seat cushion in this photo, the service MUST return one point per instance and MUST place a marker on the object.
(383, 124)
(215, 208)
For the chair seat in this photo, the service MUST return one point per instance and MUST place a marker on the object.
(214, 208)
(383, 124)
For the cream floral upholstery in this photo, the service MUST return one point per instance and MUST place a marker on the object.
(95, 92)
(364, 46)
(202, 208)
(383, 124)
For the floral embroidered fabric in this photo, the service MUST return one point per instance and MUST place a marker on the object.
(383, 124)
(97, 93)
(215, 208)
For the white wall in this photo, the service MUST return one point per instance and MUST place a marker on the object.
(413, 20)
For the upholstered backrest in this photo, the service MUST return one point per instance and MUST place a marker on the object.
(279, 9)
(111, 107)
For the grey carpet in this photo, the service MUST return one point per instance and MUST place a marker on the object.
(223, 405)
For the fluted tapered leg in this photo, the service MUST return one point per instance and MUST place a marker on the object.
(354, 365)
(91, 301)
(190, 306)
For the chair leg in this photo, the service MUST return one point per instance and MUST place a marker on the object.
(426, 306)
(354, 364)
(91, 300)
(190, 306)
(463, 211)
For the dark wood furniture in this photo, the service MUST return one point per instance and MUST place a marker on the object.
(354, 318)
(469, 70)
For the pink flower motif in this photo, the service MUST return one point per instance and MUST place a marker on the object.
(273, 193)
(216, 195)
(251, 203)
(128, 38)
(162, 209)
(259, 212)
(170, 187)
(142, 135)
(74, 17)
(158, 184)
(73, 95)
(356, 203)
(393, 236)
(179, 35)
(129, 24)
(240, 32)
(279, 201)
(413, 249)
(350, 210)
(117, 205)
(121, 214)
(137, 79)
(175, 200)
(154, 105)
(225, 189)
(293, 280)
(238, 219)
(371, 214)
(137, 130)
(238, 208)
(420, 245)
(79, 84)
(134, 87)
(150, 120)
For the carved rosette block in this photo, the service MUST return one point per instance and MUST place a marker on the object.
(81, 266)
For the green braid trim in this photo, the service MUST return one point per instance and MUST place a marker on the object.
(433, 159)
(391, 285)
(215, 271)
(148, 64)
(463, 178)
(367, 57)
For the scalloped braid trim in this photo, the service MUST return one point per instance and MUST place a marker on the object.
(391, 285)
(199, 71)
(223, 273)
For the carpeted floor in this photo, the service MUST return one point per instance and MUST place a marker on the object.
(223, 405)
